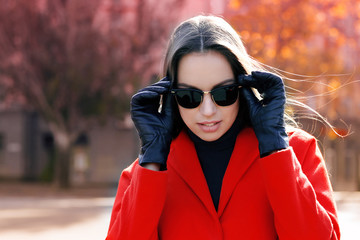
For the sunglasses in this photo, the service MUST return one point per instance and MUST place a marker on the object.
(192, 97)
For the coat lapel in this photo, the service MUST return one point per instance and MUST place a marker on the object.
(184, 160)
(244, 154)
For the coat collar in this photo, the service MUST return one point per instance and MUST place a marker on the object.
(184, 160)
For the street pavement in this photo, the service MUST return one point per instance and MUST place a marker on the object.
(348, 205)
(41, 212)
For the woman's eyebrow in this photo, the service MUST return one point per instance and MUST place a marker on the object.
(223, 83)
(184, 85)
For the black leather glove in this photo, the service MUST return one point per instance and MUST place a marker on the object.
(267, 115)
(154, 128)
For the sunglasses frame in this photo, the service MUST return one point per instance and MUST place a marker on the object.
(174, 90)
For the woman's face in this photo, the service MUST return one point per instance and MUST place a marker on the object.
(205, 71)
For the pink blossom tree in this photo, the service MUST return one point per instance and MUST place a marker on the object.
(78, 62)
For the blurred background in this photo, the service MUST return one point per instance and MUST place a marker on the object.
(69, 68)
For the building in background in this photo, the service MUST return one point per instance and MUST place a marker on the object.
(98, 157)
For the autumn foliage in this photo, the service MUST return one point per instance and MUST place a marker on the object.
(293, 35)
(315, 40)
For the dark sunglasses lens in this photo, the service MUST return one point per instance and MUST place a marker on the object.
(225, 96)
(188, 98)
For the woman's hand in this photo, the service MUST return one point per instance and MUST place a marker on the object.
(154, 127)
(267, 115)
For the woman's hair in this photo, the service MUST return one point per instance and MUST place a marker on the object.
(210, 33)
(202, 34)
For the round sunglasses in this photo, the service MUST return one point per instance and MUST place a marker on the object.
(192, 97)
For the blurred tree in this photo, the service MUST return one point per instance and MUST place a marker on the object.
(311, 37)
(293, 34)
(76, 62)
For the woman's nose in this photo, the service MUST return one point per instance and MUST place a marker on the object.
(207, 107)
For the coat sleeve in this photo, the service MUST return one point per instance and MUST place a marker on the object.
(300, 192)
(138, 204)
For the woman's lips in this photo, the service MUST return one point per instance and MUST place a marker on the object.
(209, 127)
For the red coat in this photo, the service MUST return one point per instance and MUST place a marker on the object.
(286, 195)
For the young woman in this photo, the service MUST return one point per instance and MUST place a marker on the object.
(218, 161)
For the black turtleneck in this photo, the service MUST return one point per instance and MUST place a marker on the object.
(215, 156)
